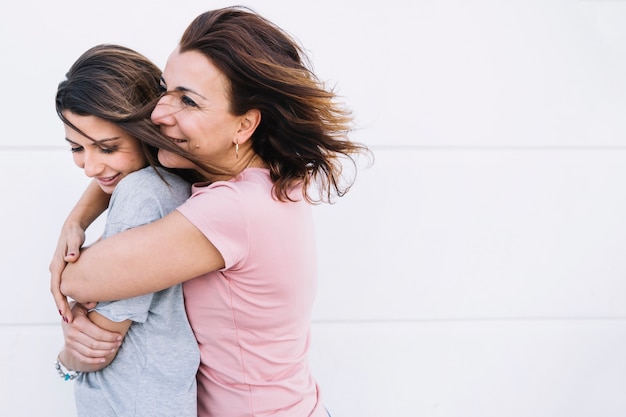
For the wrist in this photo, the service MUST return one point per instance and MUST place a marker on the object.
(65, 373)
(75, 222)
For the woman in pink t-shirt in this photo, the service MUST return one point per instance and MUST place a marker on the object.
(239, 106)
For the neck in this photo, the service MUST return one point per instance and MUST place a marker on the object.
(246, 160)
(253, 162)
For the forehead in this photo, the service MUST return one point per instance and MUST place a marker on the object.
(95, 127)
(192, 71)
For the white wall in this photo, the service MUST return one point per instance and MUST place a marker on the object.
(476, 269)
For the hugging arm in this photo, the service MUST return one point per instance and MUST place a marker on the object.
(141, 260)
(92, 203)
(88, 347)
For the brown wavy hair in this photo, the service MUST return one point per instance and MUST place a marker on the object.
(119, 85)
(303, 133)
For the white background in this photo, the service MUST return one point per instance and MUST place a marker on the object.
(476, 270)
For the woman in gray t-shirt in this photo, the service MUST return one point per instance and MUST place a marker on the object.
(153, 373)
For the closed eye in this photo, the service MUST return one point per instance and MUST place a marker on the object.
(187, 101)
(184, 98)
(74, 148)
(107, 150)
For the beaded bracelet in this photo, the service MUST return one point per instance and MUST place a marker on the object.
(68, 376)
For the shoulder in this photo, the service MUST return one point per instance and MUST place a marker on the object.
(250, 191)
(248, 183)
(143, 197)
(150, 176)
(147, 182)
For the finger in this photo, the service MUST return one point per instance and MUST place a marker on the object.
(67, 250)
(88, 360)
(71, 257)
(94, 336)
(78, 340)
(90, 306)
(57, 265)
(74, 242)
(60, 299)
(88, 349)
(73, 252)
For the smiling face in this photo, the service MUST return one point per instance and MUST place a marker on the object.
(195, 112)
(112, 156)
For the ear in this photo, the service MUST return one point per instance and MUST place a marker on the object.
(249, 122)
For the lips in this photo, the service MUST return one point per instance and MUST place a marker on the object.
(107, 181)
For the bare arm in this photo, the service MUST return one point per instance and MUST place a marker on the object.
(88, 347)
(117, 327)
(141, 260)
(92, 203)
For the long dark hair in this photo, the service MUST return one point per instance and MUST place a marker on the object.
(303, 133)
(119, 85)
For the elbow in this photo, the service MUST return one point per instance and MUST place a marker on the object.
(68, 290)
(70, 287)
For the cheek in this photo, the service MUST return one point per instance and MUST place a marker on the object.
(137, 162)
(79, 159)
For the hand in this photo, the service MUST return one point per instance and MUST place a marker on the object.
(86, 345)
(67, 250)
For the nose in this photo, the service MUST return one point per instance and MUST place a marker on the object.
(164, 111)
(92, 164)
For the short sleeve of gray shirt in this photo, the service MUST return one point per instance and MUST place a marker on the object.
(140, 198)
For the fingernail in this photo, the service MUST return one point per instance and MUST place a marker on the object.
(65, 319)
(60, 313)
(71, 254)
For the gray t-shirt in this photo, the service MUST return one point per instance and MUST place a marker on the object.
(154, 372)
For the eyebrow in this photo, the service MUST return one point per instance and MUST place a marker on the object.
(98, 142)
(184, 89)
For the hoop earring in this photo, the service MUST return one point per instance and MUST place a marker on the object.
(237, 150)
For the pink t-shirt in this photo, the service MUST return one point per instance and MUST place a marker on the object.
(252, 319)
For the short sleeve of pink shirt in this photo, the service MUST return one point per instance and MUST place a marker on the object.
(221, 201)
(252, 319)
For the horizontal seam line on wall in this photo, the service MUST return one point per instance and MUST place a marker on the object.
(496, 148)
(462, 320)
(400, 147)
(409, 321)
